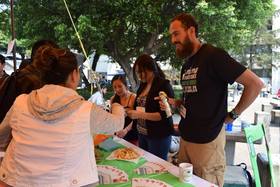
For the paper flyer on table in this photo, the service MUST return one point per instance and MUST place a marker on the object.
(150, 168)
(109, 175)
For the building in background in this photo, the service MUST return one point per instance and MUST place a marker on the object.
(104, 67)
(275, 78)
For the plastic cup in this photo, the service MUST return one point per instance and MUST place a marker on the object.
(185, 172)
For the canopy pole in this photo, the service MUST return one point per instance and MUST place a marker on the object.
(94, 75)
(13, 33)
(78, 36)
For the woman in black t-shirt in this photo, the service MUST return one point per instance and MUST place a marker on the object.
(154, 128)
(126, 98)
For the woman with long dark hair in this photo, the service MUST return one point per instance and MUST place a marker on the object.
(153, 126)
(126, 98)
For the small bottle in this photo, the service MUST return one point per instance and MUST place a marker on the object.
(163, 98)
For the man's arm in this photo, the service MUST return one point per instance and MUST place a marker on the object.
(252, 87)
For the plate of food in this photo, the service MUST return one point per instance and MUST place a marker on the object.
(127, 154)
(109, 175)
(140, 182)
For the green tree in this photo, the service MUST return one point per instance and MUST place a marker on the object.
(5, 27)
(124, 29)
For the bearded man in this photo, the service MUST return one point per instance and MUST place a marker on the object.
(205, 76)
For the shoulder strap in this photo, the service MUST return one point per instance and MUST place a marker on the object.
(129, 100)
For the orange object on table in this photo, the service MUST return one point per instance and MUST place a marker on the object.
(98, 138)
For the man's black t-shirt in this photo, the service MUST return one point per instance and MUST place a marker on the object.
(204, 78)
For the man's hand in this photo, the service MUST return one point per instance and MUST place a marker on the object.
(173, 103)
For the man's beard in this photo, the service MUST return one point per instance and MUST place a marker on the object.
(187, 49)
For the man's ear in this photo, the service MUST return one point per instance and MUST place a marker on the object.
(192, 30)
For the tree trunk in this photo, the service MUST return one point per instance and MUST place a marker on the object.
(251, 57)
(125, 64)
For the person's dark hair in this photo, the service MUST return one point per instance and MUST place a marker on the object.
(120, 77)
(103, 85)
(2, 59)
(146, 62)
(54, 64)
(187, 21)
(41, 43)
(24, 63)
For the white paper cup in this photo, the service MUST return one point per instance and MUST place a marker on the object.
(185, 172)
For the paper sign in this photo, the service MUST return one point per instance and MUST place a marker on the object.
(11, 46)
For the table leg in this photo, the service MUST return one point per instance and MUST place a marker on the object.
(230, 150)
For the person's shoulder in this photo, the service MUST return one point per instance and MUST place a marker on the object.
(96, 94)
(214, 49)
(21, 100)
(5, 74)
(217, 54)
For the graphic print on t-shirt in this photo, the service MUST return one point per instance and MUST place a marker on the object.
(189, 80)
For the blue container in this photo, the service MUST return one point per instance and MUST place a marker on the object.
(229, 127)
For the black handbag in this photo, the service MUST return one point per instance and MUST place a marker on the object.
(247, 174)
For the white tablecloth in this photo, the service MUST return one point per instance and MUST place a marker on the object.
(174, 170)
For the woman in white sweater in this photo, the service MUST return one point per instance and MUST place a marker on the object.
(52, 129)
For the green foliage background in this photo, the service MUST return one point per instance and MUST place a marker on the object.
(123, 29)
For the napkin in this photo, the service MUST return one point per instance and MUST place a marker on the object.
(109, 145)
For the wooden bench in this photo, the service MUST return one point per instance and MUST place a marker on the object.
(262, 117)
(266, 107)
